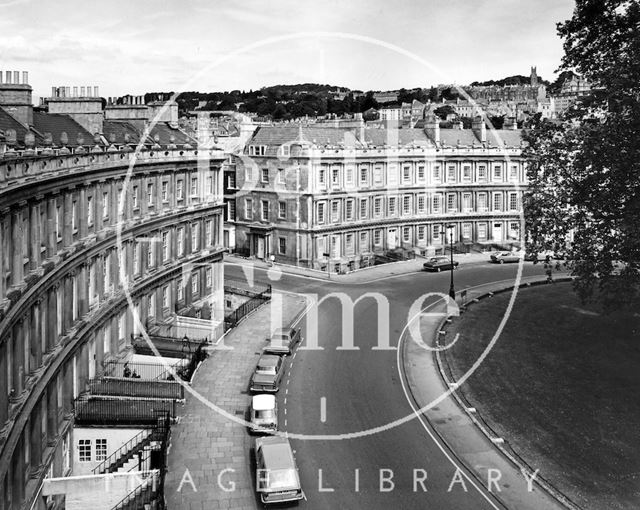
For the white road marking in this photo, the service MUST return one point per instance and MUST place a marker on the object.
(286, 392)
(323, 409)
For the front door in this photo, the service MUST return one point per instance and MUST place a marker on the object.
(391, 239)
(497, 232)
(260, 247)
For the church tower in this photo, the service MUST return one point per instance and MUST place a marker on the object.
(534, 77)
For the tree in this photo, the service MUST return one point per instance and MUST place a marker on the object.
(443, 111)
(584, 172)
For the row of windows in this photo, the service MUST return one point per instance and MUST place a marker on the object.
(345, 244)
(87, 453)
(377, 207)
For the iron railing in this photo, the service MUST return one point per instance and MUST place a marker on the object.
(96, 410)
(126, 450)
(232, 319)
(131, 387)
(146, 371)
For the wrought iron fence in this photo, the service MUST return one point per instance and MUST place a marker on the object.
(232, 319)
(92, 410)
(133, 387)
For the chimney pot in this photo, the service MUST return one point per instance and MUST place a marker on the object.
(25, 77)
(8, 77)
(67, 91)
(82, 91)
(95, 92)
(75, 91)
(88, 90)
(0, 76)
(16, 77)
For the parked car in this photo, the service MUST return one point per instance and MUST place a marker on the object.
(277, 476)
(506, 256)
(267, 374)
(439, 264)
(540, 257)
(283, 340)
(263, 414)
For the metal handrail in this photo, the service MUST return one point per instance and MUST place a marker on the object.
(125, 448)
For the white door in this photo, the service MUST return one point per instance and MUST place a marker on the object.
(497, 232)
(391, 238)
(260, 250)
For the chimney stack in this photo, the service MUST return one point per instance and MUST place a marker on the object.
(8, 77)
(16, 77)
(479, 129)
(95, 92)
(25, 77)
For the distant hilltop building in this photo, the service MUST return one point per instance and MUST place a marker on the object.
(533, 91)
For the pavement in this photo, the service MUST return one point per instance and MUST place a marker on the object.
(208, 459)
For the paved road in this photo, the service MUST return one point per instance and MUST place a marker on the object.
(360, 390)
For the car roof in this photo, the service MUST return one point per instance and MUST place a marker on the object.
(276, 452)
(263, 402)
(268, 359)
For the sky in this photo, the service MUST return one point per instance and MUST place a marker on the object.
(138, 46)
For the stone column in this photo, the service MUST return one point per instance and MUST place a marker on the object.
(82, 213)
(52, 413)
(16, 244)
(3, 249)
(35, 438)
(4, 383)
(67, 229)
(17, 361)
(83, 292)
(52, 318)
(34, 236)
(50, 225)
(35, 336)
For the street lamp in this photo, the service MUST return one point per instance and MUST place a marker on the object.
(186, 347)
(452, 290)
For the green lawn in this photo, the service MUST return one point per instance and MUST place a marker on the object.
(562, 385)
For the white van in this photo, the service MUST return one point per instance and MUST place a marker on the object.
(277, 478)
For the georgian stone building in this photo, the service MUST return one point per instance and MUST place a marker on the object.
(311, 195)
(97, 242)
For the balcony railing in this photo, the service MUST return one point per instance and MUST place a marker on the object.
(100, 410)
(232, 319)
(134, 387)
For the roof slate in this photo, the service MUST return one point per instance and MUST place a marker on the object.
(56, 124)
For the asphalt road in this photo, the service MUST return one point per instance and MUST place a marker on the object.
(344, 394)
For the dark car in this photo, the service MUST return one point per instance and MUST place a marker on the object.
(267, 375)
(439, 264)
(282, 341)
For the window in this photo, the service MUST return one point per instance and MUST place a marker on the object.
(209, 189)
(179, 189)
(90, 211)
(180, 289)
(165, 191)
(194, 284)
(150, 254)
(150, 194)
(264, 175)
(285, 150)
(208, 277)
(482, 202)
(194, 187)
(349, 175)
(364, 241)
(436, 233)
(451, 202)
(106, 338)
(392, 206)
(151, 309)
(257, 150)
(248, 174)
(437, 203)
(421, 174)
(322, 175)
(335, 211)
(121, 327)
(466, 173)
(377, 206)
(84, 450)
(195, 236)
(59, 222)
(363, 175)
(348, 244)
(466, 202)
(377, 174)
(165, 296)
(513, 201)
(265, 210)
(321, 206)
(514, 230)
(482, 173)
(406, 174)
(208, 225)
(513, 173)
(406, 234)
(106, 273)
(282, 210)
(466, 230)
(451, 173)
(421, 233)
(497, 201)
(363, 207)
(437, 174)
(377, 237)
(348, 209)
(482, 231)
(165, 246)
(497, 173)
(231, 181)
(134, 197)
(101, 449)
(105, 205)
(231, 210)
(335, 247)
(406, 204)
(335, 176)
(248, 208)
(180, 241)
(136, 258)
(74, 215)
(281, 179)
(282, 245)
(422, 201)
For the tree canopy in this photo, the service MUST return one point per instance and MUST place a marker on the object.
(584, 171)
